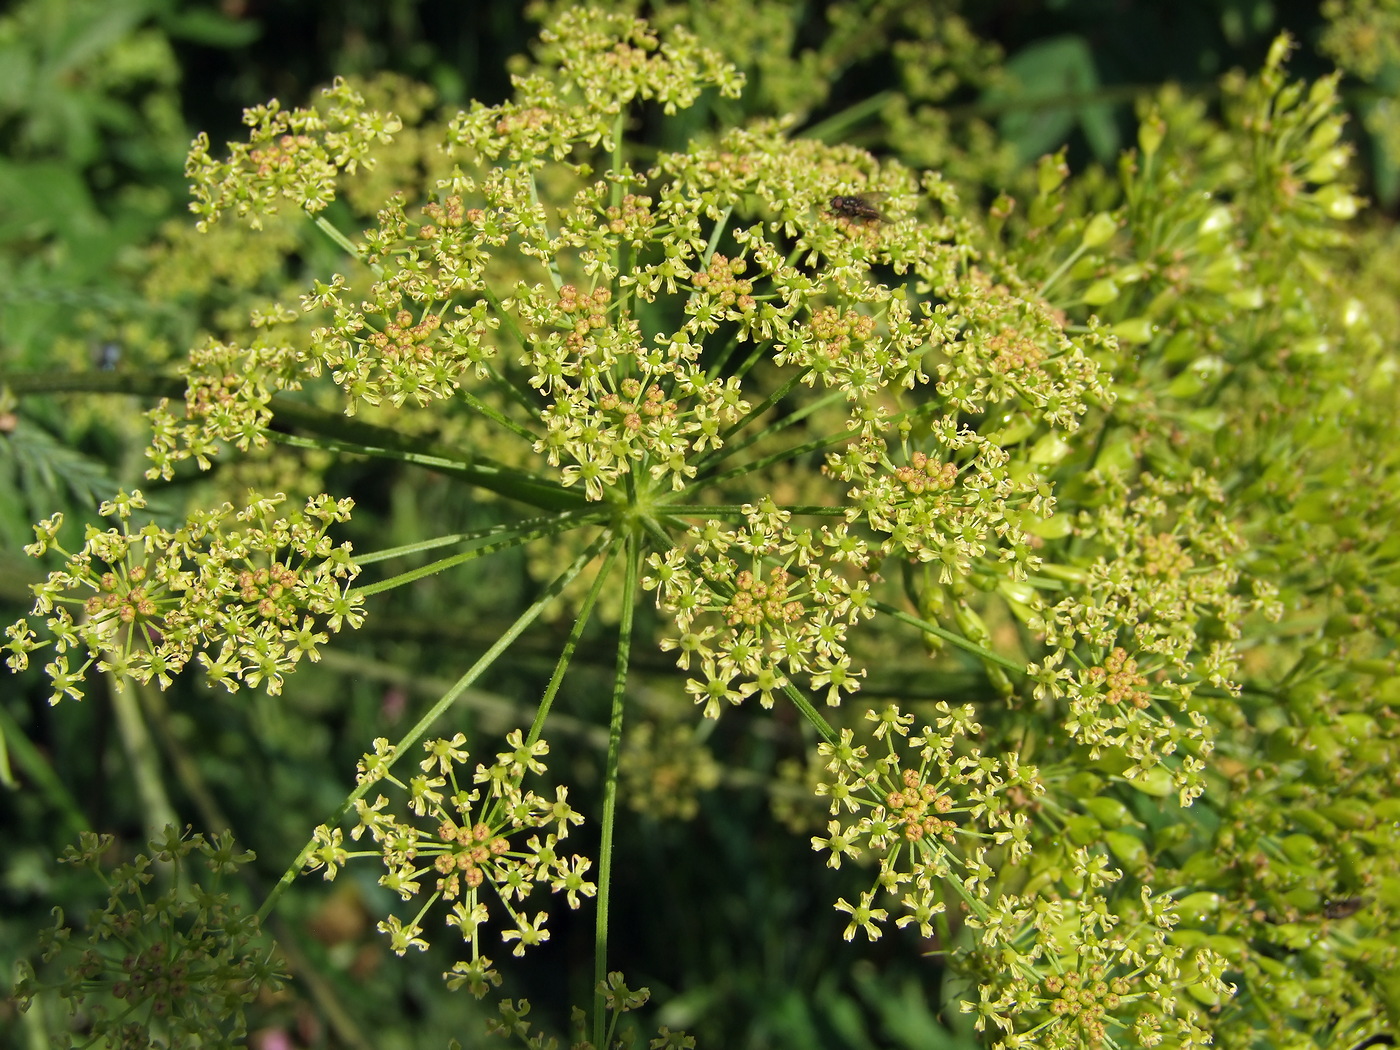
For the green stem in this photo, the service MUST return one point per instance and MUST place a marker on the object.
(141, 755)
(1061, 270)
(499, 418)
(815, 445)
(720, 224)
(732, 511)
(446, 701)
(619, 127)
(555, 277)
(624, 651)
(1117, 94)
(951, 638)
(570, 644)
(510, 482)
(809, 712)
(615, 195)
(517, 334)
(343, 242)
(836, 127)
(779, 424)
(479, 549)
(758, 410)
(477, 538)
(496, 710)
(137, 384)
(186, 770)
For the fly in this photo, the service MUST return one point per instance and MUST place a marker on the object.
(1344, 908)
(856, 208)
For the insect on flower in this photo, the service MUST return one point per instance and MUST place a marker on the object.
(857, 208)
(1344, 908)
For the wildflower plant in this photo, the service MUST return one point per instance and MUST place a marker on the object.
(1052, 445)
(246, 594)
(168, 960)
(464, 847)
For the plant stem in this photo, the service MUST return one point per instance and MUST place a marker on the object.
(787, 419)
(133, 383)
(624, 650)
(477, 550)
(813, 716)
(474, 539)
(951, 637)
(836, 126)
(344, 242)
(141, 755)
(793, 452)
(510, 482)
(720, 224)
(570, 644)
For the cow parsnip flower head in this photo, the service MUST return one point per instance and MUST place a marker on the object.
(637, 338)
(460, 842)
(245, 594)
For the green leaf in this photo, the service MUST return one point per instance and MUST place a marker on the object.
(42, 198)
(211, 29)
(1055, 84)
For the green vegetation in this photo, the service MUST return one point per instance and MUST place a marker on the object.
(696, 565)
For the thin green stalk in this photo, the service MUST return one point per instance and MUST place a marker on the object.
(496, 709)
(462, 684)
(760, 352)
(516, 333)
(500, 419)
(558, 525)
(344, 242)
(507, 319)
(7, 775)
(815, 445)
(836, 127)
(715, 235)
(951, 638)
(141, 756)
(810, 713)
(990, 108)
(519, 396)
(137, 384)
(730, 510)
(510, 482)
(1061, 270)
(663, 539)
(616, 159)
(781, 423)
(555, 277)
(477, 536)
(624, 652)
(355, 431)
(570, 644)
(186, 770)
(615, 195)
(472, 539)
